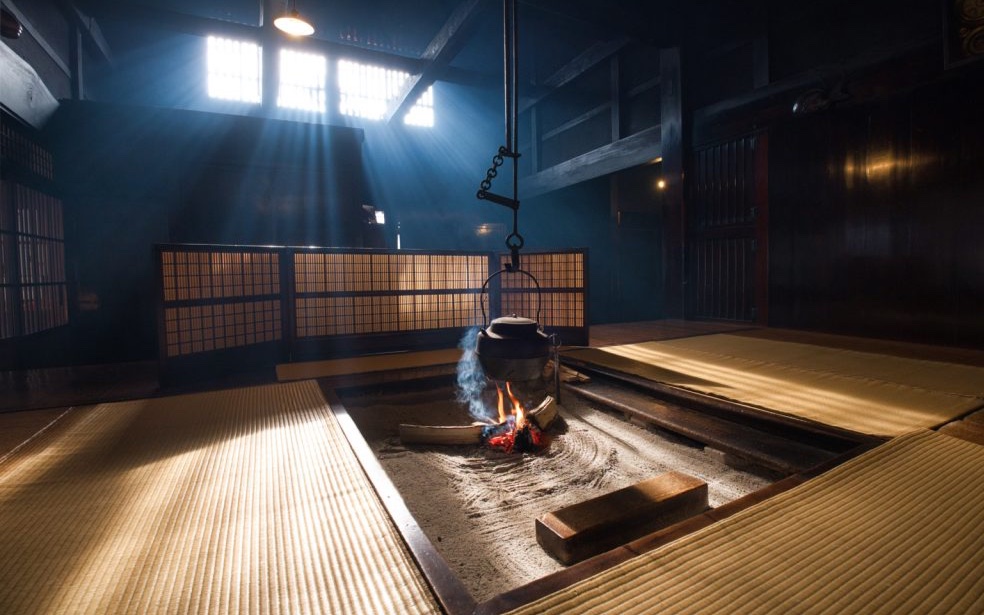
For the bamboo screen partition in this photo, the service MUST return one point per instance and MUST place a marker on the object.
(365, 292)
(217, 298)
(562, 294)
(306, 303)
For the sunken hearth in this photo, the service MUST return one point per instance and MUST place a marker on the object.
(477, 504)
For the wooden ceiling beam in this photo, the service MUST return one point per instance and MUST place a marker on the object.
(598, 52)
(637, 149)
(442, 49)
(204, 26)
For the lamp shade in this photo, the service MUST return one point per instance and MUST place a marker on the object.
(292, 23)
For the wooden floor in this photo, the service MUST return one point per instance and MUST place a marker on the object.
(655, 330)
(969, 428)
(31, 401)
(89, 384)
(72, 386)
(62, 387)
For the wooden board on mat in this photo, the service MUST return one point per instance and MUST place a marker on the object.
(371, 363)
(594, 526)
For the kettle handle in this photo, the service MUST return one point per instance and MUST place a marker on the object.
(539, 295)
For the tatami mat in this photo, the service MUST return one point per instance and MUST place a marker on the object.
(865, 392)
(240, 501)
(899, 529)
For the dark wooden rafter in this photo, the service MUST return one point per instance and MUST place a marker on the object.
(206, 26)
(38, 38)
(598, 52)
(22, 92)
(637, 149)
(613, 17)
(92, 36)
(621, 153)
(438, 55)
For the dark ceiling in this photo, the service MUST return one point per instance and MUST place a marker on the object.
(457, 39)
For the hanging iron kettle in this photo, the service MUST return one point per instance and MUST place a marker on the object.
(513, 347)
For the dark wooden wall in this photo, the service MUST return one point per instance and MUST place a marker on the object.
(877, 217)
(727, 242)
(873, 195)
(132, 177)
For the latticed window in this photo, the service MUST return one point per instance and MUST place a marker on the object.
(33, 295)
(302, 81)
(422, 113)
(366, 91)
(235, 70)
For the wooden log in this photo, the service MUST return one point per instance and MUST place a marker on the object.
(600, 524)
(441, 434)
(545, 413)
(567, 374)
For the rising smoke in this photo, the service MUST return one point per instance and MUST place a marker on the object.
(471, 378)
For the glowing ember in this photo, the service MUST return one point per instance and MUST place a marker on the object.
(513, 433)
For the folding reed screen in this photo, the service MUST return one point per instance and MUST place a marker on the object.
(215, 299)
(561, 297)
(372, 300)
(230, 307)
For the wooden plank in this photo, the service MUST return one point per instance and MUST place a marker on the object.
(443, 48)
(769, 451)
(826, 437)
(543, 415)
(594, 526)
(587, 59)
(22, 91)
(637, 149)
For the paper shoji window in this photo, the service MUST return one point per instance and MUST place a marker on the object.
(201, 328)
(33, 290)
(215, 275)
(230, 299)
(303, 78)
(362, 293)
(366, 91)
(561, 298)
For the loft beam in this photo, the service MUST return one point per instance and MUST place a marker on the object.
(438, 55)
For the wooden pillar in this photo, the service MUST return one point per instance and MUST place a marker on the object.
(271, 58)
(671, 138)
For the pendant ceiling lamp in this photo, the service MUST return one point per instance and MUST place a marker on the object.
(292, 23)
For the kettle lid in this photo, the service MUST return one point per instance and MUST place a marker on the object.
(513, 326)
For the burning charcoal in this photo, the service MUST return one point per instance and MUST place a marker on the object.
(507, 438)
(529, 439)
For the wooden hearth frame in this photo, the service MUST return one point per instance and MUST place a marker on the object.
(451, 594)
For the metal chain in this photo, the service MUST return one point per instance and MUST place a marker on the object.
(493, 171)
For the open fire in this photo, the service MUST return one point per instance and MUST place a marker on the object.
(515, 431)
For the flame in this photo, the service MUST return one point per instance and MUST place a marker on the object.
(513, 432)
(517, 408)
(501, 405)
